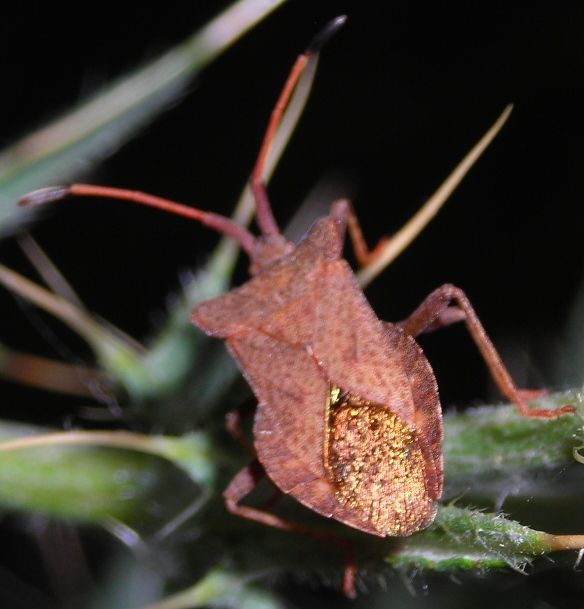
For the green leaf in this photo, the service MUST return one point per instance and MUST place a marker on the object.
(93, 477)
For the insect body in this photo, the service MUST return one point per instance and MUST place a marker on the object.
(347, 404)
(348, 419)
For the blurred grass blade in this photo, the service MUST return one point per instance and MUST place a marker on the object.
(143, 374)
(94, 477)
(63, 150)
(47, 270)
(192, 452)
(47, 374)
(117, 354)
(165, 366)
(219, 588)
(396, 244)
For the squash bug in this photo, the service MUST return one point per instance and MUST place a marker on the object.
(348, 420)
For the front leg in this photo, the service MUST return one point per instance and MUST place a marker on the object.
(436, 312)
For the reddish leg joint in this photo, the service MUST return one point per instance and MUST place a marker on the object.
(436, 311)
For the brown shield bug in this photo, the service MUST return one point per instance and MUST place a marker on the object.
(348, 421)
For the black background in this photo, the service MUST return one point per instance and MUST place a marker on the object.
(402, 93)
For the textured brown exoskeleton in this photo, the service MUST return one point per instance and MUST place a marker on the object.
(348, 419)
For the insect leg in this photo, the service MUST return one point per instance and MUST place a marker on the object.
(436, 311)
(343, 210)
(245, 481)
(233, 422)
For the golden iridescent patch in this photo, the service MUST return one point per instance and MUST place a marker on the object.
(374, 459)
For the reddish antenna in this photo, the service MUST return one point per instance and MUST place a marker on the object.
(264, 216)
